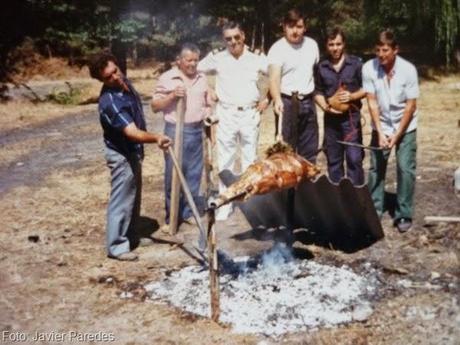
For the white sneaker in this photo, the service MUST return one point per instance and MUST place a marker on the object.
(224, 212)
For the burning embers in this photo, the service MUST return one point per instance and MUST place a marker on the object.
(272, 294)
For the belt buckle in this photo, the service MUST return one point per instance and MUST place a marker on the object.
(301, 97)
(240, 108)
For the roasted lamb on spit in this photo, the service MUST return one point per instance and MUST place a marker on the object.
(281, 169)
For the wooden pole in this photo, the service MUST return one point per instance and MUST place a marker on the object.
(175, 184)
(189, 197)
(436, 219)
(213, 267)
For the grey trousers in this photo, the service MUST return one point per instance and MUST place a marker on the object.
(125, 201)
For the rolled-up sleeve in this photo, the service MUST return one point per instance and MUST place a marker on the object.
(319, 84)
(162, 88)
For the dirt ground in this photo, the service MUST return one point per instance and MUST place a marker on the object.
(56, 279)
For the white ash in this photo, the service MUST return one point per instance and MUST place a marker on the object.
(276, 296)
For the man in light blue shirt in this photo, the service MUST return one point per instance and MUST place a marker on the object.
(391, 84)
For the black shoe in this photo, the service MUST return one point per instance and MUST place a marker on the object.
(403, 224)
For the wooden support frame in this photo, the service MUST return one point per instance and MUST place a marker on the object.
(213, 267)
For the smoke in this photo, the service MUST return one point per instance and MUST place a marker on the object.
(271, 262)
(279, 254)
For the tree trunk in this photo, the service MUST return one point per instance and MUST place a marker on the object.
(119, 49)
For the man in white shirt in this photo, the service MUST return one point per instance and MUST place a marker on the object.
(238, 101)
(391, 84)
(292, 60)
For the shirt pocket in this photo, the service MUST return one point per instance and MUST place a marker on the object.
(399, 92)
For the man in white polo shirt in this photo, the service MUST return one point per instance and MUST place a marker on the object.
(391, 84)
(292, 60)
(239, 106)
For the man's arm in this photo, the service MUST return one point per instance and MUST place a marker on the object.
(274, 73)
(139, 136)
(375, 116)
(264, 86)
(408, 114)
(321, 101)
(347, 96)
(164, 94)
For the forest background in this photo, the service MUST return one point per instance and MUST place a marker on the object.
(140, 31)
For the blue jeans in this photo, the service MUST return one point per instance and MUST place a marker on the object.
(192, 166)
(406, 151)
(125, 201)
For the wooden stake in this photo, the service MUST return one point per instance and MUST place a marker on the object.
(435, 219)
(213, 267)
(175, 184)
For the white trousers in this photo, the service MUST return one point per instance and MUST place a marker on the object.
(236, 128)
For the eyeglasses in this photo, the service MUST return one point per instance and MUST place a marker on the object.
(230, 38)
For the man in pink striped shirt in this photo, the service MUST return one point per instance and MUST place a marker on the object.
(183, 80)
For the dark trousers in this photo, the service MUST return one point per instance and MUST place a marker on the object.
(301, 130)
(192, 166)
(344, 128)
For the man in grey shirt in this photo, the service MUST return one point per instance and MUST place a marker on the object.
(391, 84)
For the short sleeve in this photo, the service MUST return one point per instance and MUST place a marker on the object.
(368, 83)
(275, 56)
(412, 88)
(208, 64)
(116, 113)
(263, 64)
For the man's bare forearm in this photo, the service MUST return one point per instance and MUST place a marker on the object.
(408, 114)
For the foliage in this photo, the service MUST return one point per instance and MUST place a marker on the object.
(153, 28)
(70, 97)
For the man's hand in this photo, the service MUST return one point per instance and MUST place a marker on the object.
(163, 141)
(179, 91)
(262, 105)
(278, 106)
(394, 140)
(384, 141)
(331, 110)
(344, 96)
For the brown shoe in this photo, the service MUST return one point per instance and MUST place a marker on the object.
(128, 256)
(190, 220)
(164, 229)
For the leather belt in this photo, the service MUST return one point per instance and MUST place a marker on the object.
(300, 96)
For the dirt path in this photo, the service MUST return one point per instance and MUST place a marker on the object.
(54, 275)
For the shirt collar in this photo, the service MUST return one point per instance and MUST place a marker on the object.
(177, 74)
(346, 61)
(243, 54)
(395, 66)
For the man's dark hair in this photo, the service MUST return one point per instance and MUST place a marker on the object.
(232, 25)
(293, 16)
(387, 37)
(334, 32)
(99, 62)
